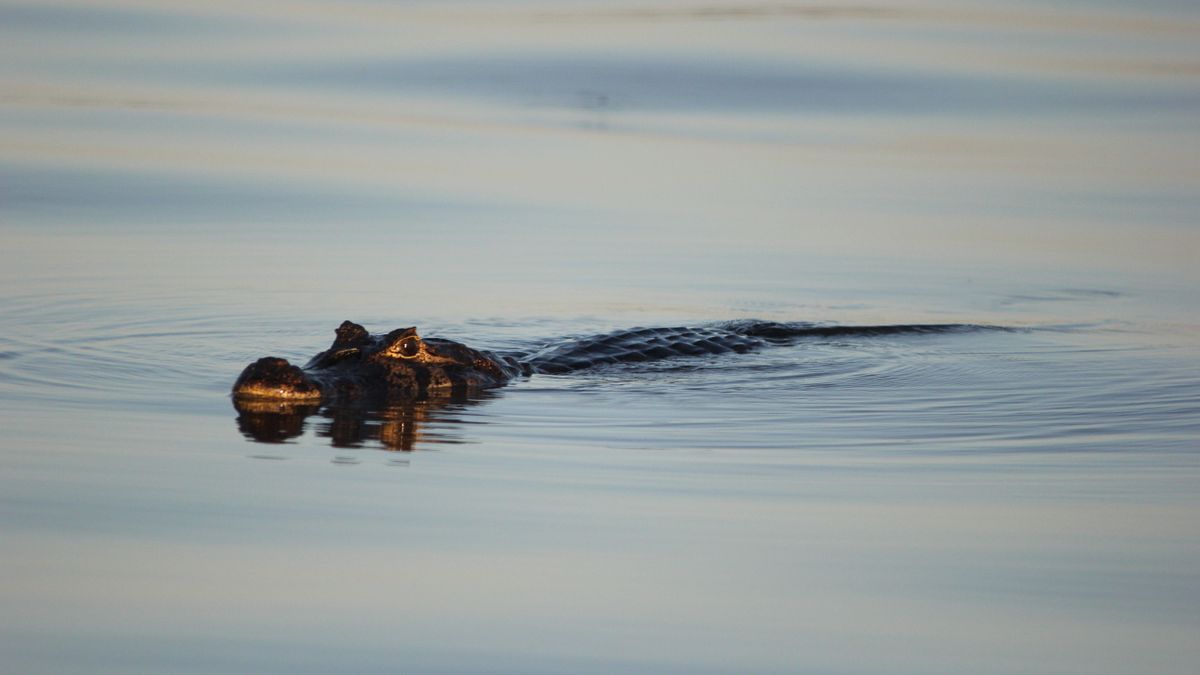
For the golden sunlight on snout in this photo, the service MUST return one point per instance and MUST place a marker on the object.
(272, 378)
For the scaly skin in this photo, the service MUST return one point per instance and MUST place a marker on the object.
(401, 365)
(358, 366)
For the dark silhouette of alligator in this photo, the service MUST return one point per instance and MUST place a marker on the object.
(401, 365)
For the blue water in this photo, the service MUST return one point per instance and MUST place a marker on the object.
(186, 188)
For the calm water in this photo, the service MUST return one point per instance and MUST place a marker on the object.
(185, 187)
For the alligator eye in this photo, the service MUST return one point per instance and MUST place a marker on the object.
(409, 347)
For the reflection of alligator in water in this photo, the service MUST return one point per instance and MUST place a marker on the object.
(404, 378)
(400, 425)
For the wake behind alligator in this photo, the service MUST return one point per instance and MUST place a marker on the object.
(401, 365)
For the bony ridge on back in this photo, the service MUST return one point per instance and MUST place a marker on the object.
(403, 365)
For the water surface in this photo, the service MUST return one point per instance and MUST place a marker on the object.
(185, 188)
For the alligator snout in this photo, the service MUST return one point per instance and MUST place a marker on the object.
(273, 378)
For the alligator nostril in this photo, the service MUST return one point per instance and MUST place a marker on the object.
(274, 378)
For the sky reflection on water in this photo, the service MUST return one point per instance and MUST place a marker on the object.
(185, 188)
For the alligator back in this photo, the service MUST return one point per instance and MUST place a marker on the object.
(403, 365)
(651, 344)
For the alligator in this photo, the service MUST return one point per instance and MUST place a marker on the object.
(402, 365)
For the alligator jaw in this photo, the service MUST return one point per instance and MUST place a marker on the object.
(274, 379)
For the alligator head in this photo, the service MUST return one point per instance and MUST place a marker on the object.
(359, 366)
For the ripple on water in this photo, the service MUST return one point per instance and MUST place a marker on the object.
(995, 393)
(965, 392)
(135, 351)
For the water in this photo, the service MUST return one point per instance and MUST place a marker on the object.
(186, 188)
